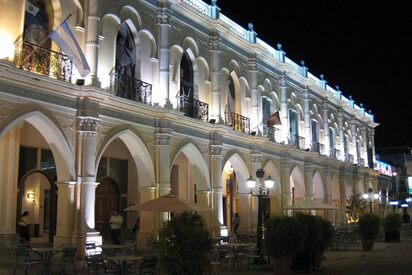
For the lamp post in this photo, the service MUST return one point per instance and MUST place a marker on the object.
(251, 183)
(369, 197)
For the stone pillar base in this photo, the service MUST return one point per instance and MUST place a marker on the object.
(80, 239)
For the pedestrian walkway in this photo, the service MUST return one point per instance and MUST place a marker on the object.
(385, 259)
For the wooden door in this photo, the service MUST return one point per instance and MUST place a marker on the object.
(107, 200)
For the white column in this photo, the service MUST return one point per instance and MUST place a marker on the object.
(163, 38)
(328, 192)
(306, 110)
(214, 56)
(215, 166)
(353, 130)
(285, 182)
(255, 164)
(9, 166)
(84, 193)
(255, 117)
(284, 108)
(65, 217)
(92, 40)
(309, 181)
(341, 141)
(365, 145)
(326, 127)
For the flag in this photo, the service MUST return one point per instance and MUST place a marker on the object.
(66, 41)
(32, 9)
(274, 119)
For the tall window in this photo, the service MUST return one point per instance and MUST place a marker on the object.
(125, 62)
(38, 22)
(331, 140)
(293, 124)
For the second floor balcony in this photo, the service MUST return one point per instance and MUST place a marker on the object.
(361, 162)
(40, 60)
(297, 141)
(334, 153)
(349, 158)
(131, 88)
(318, 147)
(193, 108)
(238, 122)
(273, 134)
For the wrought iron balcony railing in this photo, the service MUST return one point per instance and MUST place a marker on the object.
(318, 147)
(37, 59)
(131, 88)
(334, 153)
(193, 108)
(349, 158)
(238, 122)
(273, 134)
(297, 141)
(361, 162)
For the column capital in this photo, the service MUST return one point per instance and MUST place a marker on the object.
(282, 79)
(163, 12)
(87, 124)
(215, 150)
(255, 158)
(214, 40)
(252, 65)
(162, 139)
(285, 164)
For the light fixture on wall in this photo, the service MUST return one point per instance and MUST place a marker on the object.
(32, 196)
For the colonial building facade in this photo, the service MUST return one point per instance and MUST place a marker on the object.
(176, 101)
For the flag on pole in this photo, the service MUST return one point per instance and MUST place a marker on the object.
(32, 9)
(66, 41)
(274, 119)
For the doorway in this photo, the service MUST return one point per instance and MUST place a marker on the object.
(107, 201)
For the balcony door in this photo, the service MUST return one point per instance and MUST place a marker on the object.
(125, 63)
(186, 86)
(293, 123)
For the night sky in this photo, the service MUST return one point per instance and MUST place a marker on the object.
(363, 46)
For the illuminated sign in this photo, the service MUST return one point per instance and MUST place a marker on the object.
(410, 185)
(383, 168)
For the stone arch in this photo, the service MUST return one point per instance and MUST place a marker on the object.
(138, 151)
(190, 43)
(203, 80)
(128, 12)
(297, 184)
(196, 159)
(49, 128)
(318, 187)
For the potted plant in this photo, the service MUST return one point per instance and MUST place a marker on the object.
(326, 235)
(184, 246)
(392, 224)
(368, 230)
(284, 237)
(303, 259)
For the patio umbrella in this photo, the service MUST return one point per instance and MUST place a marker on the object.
(310, 205)
(168, 203)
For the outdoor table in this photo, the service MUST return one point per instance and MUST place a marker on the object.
(46, 253)
(111, 247)
(236, 249)
(124, 259)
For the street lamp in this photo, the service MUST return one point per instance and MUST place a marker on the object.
(370, 196)
(251, 183)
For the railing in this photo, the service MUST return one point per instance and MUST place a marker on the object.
(274, 134)
(193, 108)
(334, 153)
(238, 122)
(297, 141)
(131, 88)
(361, 162)
(37, 59)
(349, 158)
(318, 147)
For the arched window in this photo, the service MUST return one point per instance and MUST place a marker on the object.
(266, 112)
(293, 126)
(38, 22)
(125, 63)
(186, 76)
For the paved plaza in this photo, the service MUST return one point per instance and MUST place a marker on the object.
(386, 258)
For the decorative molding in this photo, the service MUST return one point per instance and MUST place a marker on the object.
(87, 124)
(215, 150)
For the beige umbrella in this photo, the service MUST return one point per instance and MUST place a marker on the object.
(168, 203)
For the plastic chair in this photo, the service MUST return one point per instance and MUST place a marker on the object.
(26, 257)
(65, 257)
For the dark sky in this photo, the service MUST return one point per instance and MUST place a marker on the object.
(363, 46)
